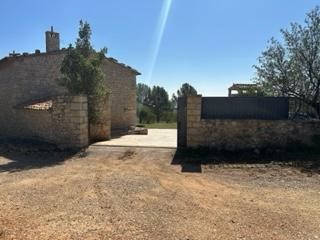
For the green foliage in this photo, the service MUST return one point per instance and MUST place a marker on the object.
(81, 70)
(159, 101)
(185, 90)
(169, 116)
(145, 114)
(81, 66)
(143, 94)
(83, 41)
(161, 125)
(292, 67)
(154, 105)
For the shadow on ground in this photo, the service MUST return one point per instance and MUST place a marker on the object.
(20, 155)
(192, 160)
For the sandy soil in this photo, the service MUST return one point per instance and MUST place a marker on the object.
(123, 193)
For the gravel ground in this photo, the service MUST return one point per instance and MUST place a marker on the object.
(123, 193)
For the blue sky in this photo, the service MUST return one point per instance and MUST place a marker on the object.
(208, 43)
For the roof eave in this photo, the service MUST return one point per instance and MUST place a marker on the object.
(123, 65)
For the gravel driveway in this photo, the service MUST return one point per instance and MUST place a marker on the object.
(126, 193)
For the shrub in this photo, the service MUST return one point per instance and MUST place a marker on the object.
(169, 116)
(145, 115)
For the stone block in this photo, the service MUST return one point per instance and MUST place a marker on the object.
(75, 106)
(79, 99)
(193, 100)
(193, 112)
(193, 118)
(194, 107)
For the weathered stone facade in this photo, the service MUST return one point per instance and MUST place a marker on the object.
(122, 85)
(65, 123)
(29, 77)
(224, 134)
(52, 41)
(100, 126)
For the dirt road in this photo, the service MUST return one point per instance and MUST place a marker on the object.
(123, 193)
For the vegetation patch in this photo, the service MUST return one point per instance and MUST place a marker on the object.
(160, 125)
(81, 70)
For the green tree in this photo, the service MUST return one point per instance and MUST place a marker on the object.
(81, 69)
(185, 90)
(292, 67)
(169, 116)
(159, 101)
(145, 114)
(143, 93)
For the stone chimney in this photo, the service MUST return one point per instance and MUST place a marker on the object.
(52, 41)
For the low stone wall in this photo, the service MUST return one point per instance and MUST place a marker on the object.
(64, 124)
(224, 134)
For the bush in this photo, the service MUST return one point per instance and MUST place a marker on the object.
(145, 115)
(169, 116)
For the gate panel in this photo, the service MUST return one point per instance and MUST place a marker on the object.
(263, 108)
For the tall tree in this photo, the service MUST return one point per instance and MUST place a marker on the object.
(83, 43)
(185, 90)
(143, 93)
(159, 101)
(292, 67)
(81, 69)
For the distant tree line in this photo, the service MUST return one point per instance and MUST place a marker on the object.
(154, 105)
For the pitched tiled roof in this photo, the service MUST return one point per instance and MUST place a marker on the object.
(123, 65)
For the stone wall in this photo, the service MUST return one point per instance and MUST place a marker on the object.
(64, 124)
(31, 77)
(100, 124)
(225, 134)
(27, 78)
(69, 122)
(122, 85)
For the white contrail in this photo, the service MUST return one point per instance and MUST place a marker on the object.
(159, 35)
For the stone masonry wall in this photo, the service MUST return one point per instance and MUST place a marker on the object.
(70, 121)
(227, 134)
(24, 79)
(27, 78)
(122, 85)
(100, 126)
(65, 124)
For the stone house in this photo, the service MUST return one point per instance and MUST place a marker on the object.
(34, 105)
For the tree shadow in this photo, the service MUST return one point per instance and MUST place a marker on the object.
(21, 155)
(192, 160)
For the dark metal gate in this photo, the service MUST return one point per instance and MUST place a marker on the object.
(268, 108)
